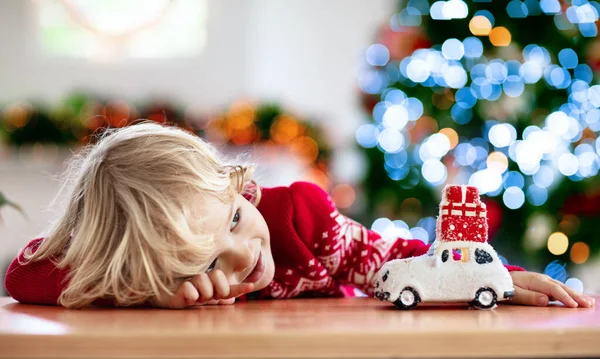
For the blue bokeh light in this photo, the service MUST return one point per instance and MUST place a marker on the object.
(465, 98)
(473, 47)
(366, 135)
(588, 29)
(396, 160)
(536, 54)
(496, 72)
(544, 177)
(422, 6)
(461, 115)
(556, 271)
(487, 14)
(453, 49)
(517, 9)
(533, 7)
(568, 58)
(531, 72)
(513, 197)
(514, 179)
(584, 72)
(372, 82)
(414, 106)
(550, 6)
(395, 97)
(537, 195)
(513, 86)
(378, 55)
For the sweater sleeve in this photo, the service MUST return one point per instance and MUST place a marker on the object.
(351, 253)
(38, 282)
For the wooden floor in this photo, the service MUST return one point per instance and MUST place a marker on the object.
(323, 328)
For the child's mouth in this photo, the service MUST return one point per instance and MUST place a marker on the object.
(257, 272)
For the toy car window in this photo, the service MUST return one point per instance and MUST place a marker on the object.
(445, 255)
(482, 257)
(461, 254)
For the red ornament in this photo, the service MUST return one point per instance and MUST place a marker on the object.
(494, 217)
(463, 217)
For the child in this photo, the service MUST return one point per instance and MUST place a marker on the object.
(154, 217)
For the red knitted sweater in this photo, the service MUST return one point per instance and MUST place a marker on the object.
(317, 251)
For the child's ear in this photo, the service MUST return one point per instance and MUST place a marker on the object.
(252, 192)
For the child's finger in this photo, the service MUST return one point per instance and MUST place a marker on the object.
(190, 294)
(204, 286)
(220, 284)
(579, 297)
(239, 289)
(528, 297)
(185, 296)
(553, 289)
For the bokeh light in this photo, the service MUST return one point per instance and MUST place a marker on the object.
(575, 284)
(517, 9)
(378, 55)
(343, 195)
(558, 243)
(513, 197)
(568, 58)
(498, 162)
(580, 252)
(452, 136)
(453, 49)
(500, 36)
(556, 271)
(480, 25)
(473, 47)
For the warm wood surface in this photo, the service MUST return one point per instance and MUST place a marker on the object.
(322, 328)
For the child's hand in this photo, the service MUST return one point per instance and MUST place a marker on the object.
(205, 288)
(539, 289)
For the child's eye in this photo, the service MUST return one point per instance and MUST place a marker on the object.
(212, 266)
(235, 220)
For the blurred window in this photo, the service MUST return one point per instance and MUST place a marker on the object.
(116, 29)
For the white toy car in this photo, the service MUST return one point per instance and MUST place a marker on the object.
(453, 271)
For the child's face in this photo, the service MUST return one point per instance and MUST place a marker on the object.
(243, 249)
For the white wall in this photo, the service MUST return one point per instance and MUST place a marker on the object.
(215, 77)
(303, 53)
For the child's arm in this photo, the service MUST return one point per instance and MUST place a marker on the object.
(351, 253)
(41, 282)
(38, 282)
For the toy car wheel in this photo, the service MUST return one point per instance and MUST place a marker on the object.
(408, 299)
(485, 298)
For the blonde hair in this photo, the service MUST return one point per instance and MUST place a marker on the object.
(125, 231)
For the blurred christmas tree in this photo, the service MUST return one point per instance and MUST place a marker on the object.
(499, 95)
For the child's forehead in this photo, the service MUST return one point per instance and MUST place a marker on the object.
(210, 212)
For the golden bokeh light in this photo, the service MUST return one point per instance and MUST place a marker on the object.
(500, 36)
(452, 136)
(305, 149)
(480, 26)
(580, 252)
(17, 115)
(558, 243)
(498, 162)
(285, 129)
